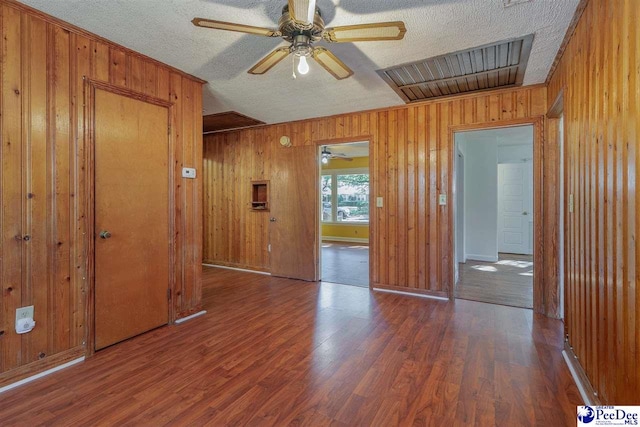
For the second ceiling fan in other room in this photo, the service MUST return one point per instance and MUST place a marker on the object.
(327, 155)
(301, 25)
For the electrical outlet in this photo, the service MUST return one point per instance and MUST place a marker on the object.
(379, 202)
(24, 313)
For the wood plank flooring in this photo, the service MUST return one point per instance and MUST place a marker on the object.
(283, 352)
(345, 263)
(508, 281)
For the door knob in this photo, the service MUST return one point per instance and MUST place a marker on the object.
(105, 234)
(525, 213)
(272, 219)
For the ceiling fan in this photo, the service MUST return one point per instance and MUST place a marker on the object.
(326, 155)
(301, 25)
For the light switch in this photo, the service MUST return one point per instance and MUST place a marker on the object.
(570, 203)
(379, 202)
(442, 199)
(189, 173)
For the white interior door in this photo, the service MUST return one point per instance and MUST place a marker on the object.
(514, 208)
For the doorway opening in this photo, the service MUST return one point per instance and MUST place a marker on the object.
(493, 211)
(344, 204)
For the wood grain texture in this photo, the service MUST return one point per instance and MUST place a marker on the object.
(598, 76)
(293, 226)
(131, 203)
(45, 188)
(410, 165)
(351, 357)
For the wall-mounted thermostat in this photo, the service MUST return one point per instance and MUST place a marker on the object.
(189, 173)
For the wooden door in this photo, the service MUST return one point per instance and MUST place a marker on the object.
(514, 208)
(131, 147)
(294, 220)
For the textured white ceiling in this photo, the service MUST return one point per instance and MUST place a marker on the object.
(351, 149)
(162, 29)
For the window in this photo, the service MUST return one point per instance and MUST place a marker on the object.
(345, 196)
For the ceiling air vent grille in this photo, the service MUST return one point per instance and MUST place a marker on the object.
(493, 66)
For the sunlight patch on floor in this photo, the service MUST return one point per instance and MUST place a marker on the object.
(514, 263)
(487, 268)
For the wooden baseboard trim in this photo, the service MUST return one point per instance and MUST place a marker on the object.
(193, 316)
(421, 294)
(329, 239)
(227, 267)
(587, 392)
(40, 368)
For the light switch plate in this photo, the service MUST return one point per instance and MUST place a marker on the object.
(379, 202)
(24, 313)
(189, 173)
(442, 199)
(570, 203)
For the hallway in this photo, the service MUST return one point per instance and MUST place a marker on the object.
(509, 281)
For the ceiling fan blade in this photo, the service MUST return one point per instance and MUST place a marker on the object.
(240, 28)
(302, 11)
(331, 63)
(366, 32)
(269, 61)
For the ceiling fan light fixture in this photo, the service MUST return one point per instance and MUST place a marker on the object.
(301, 25)
(325, 158)
(302, 45)
(303, 65)
(302, 49)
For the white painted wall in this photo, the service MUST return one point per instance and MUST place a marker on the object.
(481, 200)
(514, 153)
(458, 209)
(483, 151)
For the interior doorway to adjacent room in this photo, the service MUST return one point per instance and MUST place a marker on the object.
(344, 204)
(493, 215)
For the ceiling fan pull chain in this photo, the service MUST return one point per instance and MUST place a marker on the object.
(293, 66)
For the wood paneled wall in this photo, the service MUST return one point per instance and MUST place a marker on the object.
(234, 235)
(598, 76)
(411, 152)
(44, 192)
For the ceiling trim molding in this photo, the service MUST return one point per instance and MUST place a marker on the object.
(81, 32)
(567, 38)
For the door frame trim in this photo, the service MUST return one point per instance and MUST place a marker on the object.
(538, 162)
(90, 87)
